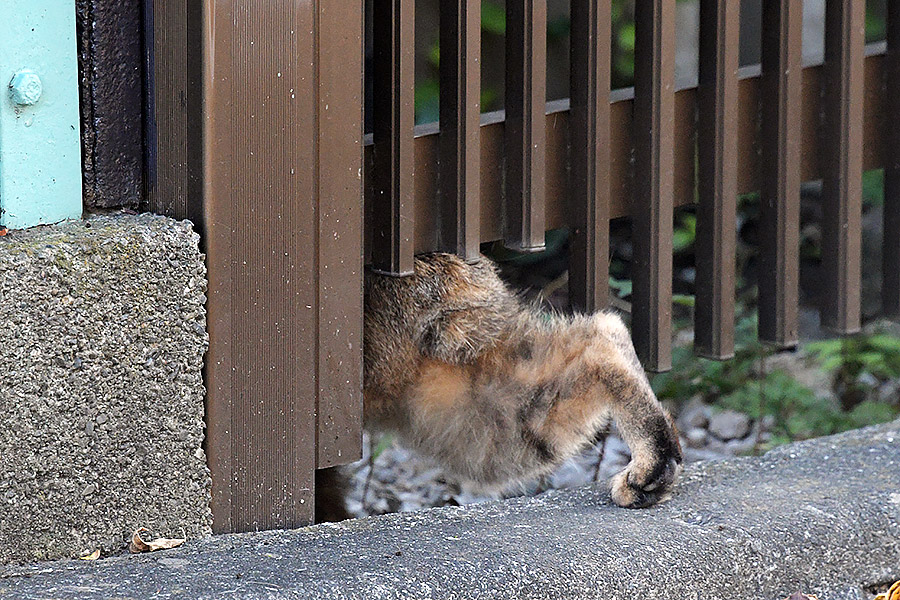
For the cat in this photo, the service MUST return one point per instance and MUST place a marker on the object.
(496, 391)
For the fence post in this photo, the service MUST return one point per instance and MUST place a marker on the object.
(266, 138)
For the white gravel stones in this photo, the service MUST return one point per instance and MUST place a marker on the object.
(729, 425)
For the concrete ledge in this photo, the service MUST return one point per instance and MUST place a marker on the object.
(102, 334)
(822, 515)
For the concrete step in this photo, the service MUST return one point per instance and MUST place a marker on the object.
(821, 516)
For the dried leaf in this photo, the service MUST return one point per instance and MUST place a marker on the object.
(92, 556)
(3, 231)
(139, 545)
(801, 596)
(892, 594)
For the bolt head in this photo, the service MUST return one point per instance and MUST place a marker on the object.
(25, 87)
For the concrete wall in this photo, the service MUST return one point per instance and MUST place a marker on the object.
(102, 335)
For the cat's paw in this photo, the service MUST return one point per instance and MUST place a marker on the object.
(644, 483)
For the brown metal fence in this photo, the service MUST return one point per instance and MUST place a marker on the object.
(258, 116)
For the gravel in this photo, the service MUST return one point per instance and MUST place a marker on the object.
(729, 425)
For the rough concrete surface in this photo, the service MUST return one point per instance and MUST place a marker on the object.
(101, 396)
(110, 69)
(822, 516)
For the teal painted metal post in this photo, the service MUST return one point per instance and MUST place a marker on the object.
(40, 147)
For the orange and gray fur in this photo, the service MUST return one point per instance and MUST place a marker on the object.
(498, 392)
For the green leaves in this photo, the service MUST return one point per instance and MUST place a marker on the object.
(427, 101)
(875, 24)
(856, 365)
(493, 18)
(686, 300)
(622, 287)
(685, 232)
(876, 354)
(626, 37)
(384, 442)
(873, 187)
(798, 413)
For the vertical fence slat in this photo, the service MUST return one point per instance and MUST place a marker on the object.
(890, 291)
(174, 135)
(654, 131)
(394, 119)
(263, 222)
(842, 160)
(460, 114)
(717, 153)
(779, 261)
(221, 359)
(282, 161)
(590, 152)
(339, 407)
(526, 99)
(168, 155)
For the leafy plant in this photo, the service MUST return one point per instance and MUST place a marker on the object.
(873, 187)
(493, 18)
(427, 101)
(622, 287)
(796, 411)
(858, 364)
(623, 52)
(685, 232)
(875, 21)
(877, 354)
(695, 377)
(493, 22)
